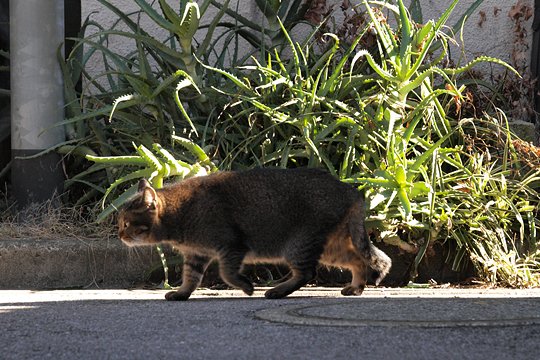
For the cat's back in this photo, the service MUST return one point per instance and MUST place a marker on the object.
(267, 206)
(265, 181)
(288, 182)
(299, 190)
(266, 188)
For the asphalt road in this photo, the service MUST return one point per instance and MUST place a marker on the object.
(313, 324)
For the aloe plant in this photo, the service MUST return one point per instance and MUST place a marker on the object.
(292, 112)
(413, 157)
(381, 123)
(183, 26)
(409, 99)
(141, 96)
(382, 118)
(152, 167)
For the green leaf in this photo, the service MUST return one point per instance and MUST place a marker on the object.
(383, 33)
(117, 160)
(138, 174)
(420, 188)
(400, 176)
(378, 69)
(406, 28)
(117, 203)
(405, 203)
(151, 12)
(188, 81)
(195, 150)
(150, 158)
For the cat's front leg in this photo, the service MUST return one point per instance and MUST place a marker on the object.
(192, 273)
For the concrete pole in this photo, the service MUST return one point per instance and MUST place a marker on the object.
(37, 101)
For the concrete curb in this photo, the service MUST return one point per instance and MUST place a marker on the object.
(72, 263)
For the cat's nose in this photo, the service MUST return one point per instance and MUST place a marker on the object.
(123, 237)
(128, 240)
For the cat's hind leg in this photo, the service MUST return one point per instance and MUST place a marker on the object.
(375, 258)
(359, 278)
(302, 273)
(302, 256)
(192, 273)
(230, 266)
(340, 252)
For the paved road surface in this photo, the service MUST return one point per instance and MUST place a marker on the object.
(314, 324)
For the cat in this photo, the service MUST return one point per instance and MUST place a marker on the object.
(298, 217)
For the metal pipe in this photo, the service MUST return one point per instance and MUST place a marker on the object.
(37, 101)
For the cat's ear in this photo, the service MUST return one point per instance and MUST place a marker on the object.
(149, 198)
(143, 184)
(149, 195)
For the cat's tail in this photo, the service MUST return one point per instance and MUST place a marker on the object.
(379, 262)
(375, 258)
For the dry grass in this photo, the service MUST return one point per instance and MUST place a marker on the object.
(51, 220)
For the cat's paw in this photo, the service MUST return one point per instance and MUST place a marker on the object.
(352, 290)
(274, 294)
(176, 296)
(248, 289)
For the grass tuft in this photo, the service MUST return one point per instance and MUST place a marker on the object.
(51, 219)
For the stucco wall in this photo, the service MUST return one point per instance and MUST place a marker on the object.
(106, 18)
(490, 30)
(497, 28)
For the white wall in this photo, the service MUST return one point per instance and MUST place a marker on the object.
(106, 18)
(489, 31)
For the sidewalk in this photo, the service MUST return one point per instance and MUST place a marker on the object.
(314, 323)
(72, 263)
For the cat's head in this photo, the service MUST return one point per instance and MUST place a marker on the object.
(139, 217)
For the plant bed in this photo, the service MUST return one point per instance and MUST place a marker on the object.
(384, 108)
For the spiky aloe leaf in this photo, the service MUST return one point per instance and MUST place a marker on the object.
(376, 67)
(406, 37)
(117, 160)
(124, 98)
(138, 174)
(149, 158)
(178, 167)
(480, 59)
(188, 81)
(189, 23)
(417, 115)
(195, 150)
(422, 41)
(117, 203)
(418, 80)
(186, 26)
(242, 85)
(405, 203)
(383, 33)
(152, 13)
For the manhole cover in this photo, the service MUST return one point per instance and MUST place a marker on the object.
(410, 312)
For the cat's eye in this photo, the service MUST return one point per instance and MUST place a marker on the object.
(141, 229)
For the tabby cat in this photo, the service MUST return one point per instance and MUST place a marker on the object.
(298, 217)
